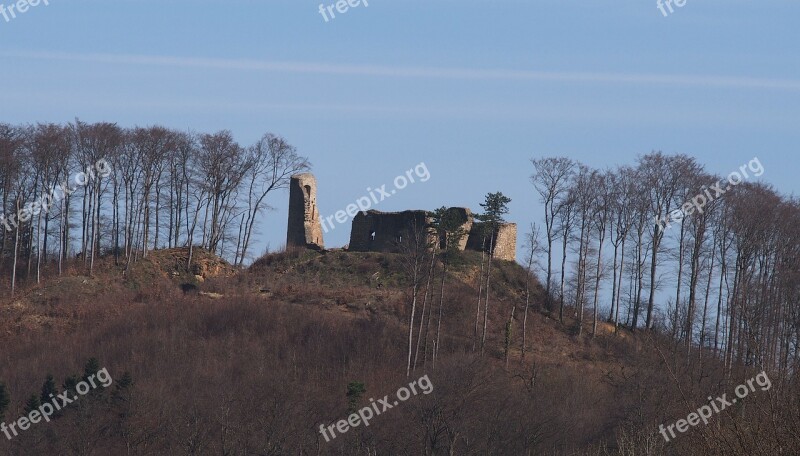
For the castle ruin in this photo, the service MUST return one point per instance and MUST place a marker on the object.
(375, 231)
(305, 229)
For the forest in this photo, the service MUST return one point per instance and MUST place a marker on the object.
(725, 270)
(153, 188)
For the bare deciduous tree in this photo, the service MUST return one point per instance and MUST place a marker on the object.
(551, 179)
(271, 163)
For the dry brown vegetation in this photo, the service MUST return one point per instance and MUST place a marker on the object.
(259, 369)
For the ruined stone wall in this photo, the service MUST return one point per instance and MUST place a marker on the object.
(505, 240)
(305, 229)
(505, 245)
(375, 231)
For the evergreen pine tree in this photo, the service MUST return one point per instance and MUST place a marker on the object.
(125, 382)
(91, 368)
(49, 390)
(354, 392)
(69, 385)
(121, 397)
(32, 404)
(121, 387)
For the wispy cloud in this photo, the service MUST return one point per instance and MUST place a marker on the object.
(712, 81)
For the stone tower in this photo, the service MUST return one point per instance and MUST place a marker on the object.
(304, 228)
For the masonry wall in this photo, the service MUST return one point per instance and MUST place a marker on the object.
(505, 240)
(375, 231)
(505, 246)
(305, 229)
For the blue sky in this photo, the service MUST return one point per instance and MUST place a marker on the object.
(473, 89)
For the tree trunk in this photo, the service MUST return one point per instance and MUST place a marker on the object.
(565, 241)
(614, 284)
(708, 296)
(488, 279)
(16, 254)
(480, 295)
(597, 282)
(411, 322)
(679, 282)
(640, 281)
(439, 320)
(619, 287)
(424, 308)
(527, 305)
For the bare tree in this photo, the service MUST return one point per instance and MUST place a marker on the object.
(566, 224)
(415, 247)
(664, 176)
(476, 336)
(495, 207)
(450, 231)
(584, 204)
(22, 185)
(532, 248)
(622, 187)
(224, 163)
(51, 149)
(551, 180)
(272, 162)
(697, 226)
(155, 144)
(601, 215)
(642, 222)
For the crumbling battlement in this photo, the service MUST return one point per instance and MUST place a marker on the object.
(375, 231)
(305, 229)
